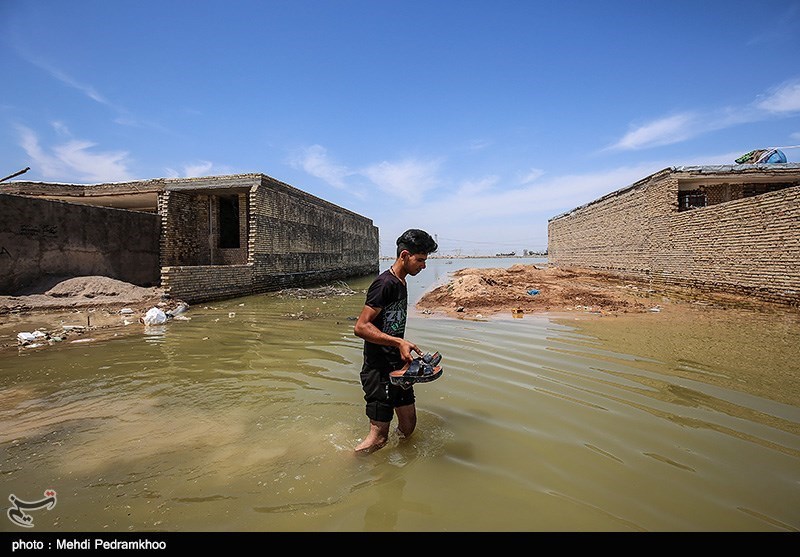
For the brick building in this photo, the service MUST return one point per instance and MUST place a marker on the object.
(199, 238)
(730, 228)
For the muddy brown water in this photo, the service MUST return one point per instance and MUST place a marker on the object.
(244, 418)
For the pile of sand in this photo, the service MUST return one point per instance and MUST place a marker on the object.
(78, 292)
(522, 289)
(88, 306)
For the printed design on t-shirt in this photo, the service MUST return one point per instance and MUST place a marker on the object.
(394, 318)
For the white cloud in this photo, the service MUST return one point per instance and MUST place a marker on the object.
(779, 101)
(68, 80)
(479, 144)
(489, 221)
(74, 159)
(316, 162)
(784, 98)
(531, 176)
(124, 118)
(197, 169)
(408, 180)
(664, 131)
(201, 168)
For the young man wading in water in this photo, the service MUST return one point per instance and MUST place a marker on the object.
(382, 325)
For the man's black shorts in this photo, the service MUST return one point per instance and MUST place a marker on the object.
(382, 397)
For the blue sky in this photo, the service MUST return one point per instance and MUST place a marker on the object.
(475, 120)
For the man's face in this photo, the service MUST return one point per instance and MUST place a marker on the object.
(414, 263)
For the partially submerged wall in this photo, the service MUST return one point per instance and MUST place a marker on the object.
(39, 237)
(292, 239)
(204, 238)
(745, 246)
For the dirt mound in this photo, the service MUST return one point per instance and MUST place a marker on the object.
(78, 292)
(531, 289)
(94, 286)
(64, 307)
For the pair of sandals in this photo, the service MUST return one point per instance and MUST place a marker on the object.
(422, 369)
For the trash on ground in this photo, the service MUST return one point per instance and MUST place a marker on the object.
(340, 289)
(181, 308)
(154, 316)
(533, 291)
(25, 337)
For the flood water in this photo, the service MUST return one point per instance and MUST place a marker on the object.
(244, 418)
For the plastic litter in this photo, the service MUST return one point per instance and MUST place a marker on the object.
(155, 316)
(182, 307)
(25, 338)
(533, 292)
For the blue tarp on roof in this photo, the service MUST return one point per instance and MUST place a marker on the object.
(762, 156)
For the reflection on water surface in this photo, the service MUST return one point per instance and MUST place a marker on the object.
(244, 419)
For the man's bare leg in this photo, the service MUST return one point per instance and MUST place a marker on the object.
(377, 437)
(406, 420)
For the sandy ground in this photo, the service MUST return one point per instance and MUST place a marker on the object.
(525, 289)
(76, 309)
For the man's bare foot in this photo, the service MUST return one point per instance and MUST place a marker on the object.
(367, 447)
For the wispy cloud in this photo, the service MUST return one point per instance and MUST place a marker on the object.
(74, 160)
(408, 180)
(315, 161)
(515, 214)
(783, 100)
(531, 176)
(196, 169)
(779, 28)
(123, 118)
(663, 131)
(479, 144)
(68, 80)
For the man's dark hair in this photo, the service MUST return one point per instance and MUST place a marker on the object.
(416, 241)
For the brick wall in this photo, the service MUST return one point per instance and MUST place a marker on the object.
(289, 238)
(745, 246)
(40, 237)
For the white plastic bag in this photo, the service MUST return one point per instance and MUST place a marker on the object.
(155, 316)
(25, 337)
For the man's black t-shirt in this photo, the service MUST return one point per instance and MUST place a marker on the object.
(390, 294)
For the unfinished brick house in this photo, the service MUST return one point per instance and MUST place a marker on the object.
(730, 228)
(199, 238)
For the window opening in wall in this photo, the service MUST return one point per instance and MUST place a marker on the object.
(229, 221)
(750, 190)
(707, 195)
(691, 199)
